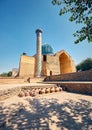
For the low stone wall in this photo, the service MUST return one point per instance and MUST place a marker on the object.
(4, 94)
(11, 80)
(78, 87)
(77, 76)
(7, 93)
(80, 82)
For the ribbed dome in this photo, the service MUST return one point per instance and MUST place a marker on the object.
(47, 49)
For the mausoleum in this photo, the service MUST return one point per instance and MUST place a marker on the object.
(45, 62)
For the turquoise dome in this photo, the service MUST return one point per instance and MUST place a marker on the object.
(47, 49)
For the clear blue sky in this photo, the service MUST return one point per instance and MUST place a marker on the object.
(18, 21)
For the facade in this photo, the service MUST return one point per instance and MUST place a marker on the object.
(45, 62)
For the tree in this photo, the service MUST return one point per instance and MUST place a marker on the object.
(85, 65)
(78, 67)
(4, 74)
(9, 74)
(81, 12)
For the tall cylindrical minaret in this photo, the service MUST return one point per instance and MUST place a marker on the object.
(38, 52)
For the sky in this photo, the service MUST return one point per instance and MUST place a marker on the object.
(18, 21)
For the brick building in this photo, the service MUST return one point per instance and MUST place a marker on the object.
(45, 62)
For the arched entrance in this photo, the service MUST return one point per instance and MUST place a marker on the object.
(65, 63)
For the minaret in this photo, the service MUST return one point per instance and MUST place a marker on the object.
(38, 52)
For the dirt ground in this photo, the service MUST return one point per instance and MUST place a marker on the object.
(55, 111)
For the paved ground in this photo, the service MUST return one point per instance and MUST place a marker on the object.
(55, 111)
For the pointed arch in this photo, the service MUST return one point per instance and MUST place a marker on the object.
(65, 63)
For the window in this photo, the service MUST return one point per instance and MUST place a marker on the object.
(44, 58)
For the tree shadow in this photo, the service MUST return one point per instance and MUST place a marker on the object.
(47, 114)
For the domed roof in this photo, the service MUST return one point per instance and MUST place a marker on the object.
(47, 49)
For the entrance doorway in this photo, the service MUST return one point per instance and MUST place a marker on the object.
(65, 66)
(50, 73)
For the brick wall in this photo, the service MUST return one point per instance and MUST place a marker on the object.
(11, 80)
(77, 76)
(80, 82)
(79, 87)
(59, 63)
(27, 66)
(53, 65)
